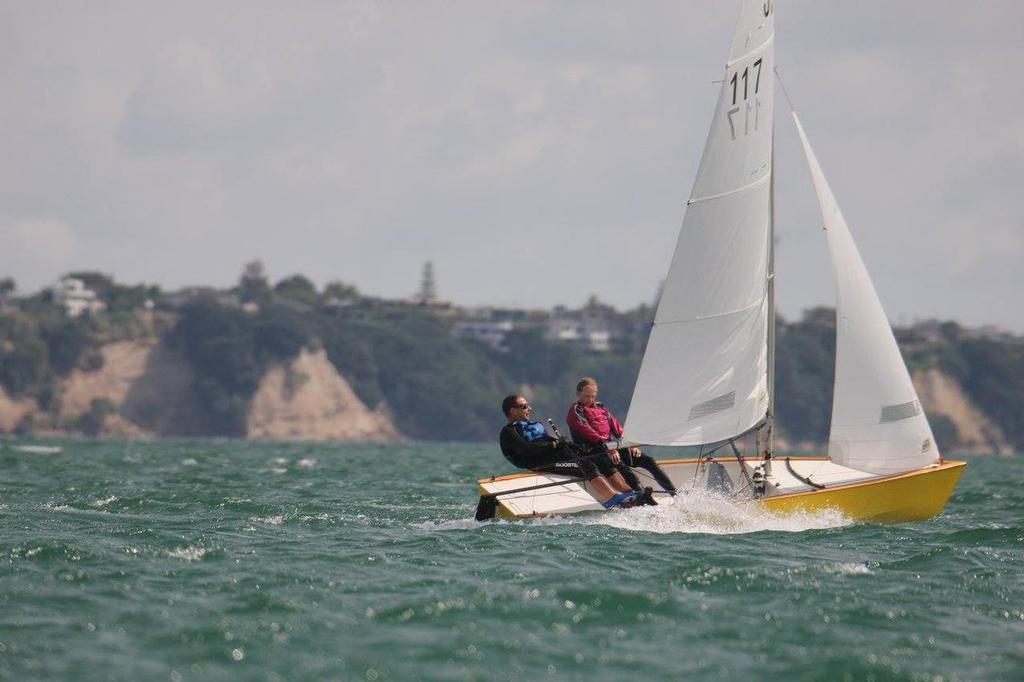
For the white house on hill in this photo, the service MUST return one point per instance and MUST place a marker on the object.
(76, 298)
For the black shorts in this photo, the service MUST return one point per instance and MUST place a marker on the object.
(570, 462)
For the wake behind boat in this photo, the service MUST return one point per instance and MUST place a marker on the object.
(707, 376)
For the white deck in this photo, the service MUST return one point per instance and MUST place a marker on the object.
(562, 499)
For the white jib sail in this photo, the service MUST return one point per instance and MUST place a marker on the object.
(877, 421)
(703, 376)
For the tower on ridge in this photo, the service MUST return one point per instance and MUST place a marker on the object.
(428, 287)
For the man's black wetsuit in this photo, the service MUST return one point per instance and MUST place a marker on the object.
(549, 454)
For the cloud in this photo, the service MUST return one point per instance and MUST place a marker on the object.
(502, 141)
(190, 100)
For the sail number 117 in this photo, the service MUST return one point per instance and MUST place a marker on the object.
(755, 109)
(746, 75)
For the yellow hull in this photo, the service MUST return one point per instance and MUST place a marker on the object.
(912, 496)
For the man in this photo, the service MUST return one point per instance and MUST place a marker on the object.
(593, 425)
(528, 445)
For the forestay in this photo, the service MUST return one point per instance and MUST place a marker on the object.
(703, 376)
(877, 422)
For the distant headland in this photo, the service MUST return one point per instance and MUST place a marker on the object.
(285, 360)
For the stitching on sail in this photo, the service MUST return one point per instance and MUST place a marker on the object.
(722, 402)
(895, 413)
(755, 183)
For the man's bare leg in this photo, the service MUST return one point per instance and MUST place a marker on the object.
(603, 489)
(619, 483)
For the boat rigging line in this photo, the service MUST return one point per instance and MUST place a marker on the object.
(743, 464)
(816, 486)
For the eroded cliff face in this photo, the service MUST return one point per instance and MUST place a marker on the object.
(940, 394)
(308, 400)
(147, 389)
(148, 385)
(13, 410)
(124, 365)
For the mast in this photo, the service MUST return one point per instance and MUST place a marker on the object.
(770, 416)
(763, 436)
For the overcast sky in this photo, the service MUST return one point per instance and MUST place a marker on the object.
(537, 153)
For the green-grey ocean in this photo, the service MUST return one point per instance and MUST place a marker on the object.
(230, 560)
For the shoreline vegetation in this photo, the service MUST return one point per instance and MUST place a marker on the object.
(288, 361)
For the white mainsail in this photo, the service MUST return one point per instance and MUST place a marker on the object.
(704, 373)
(877, 422)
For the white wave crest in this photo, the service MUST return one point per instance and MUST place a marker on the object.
(848, 568)
(455, 524)
(704, 512)
(38, 449)
(187, 553)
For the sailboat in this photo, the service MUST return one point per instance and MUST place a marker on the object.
(707, 375)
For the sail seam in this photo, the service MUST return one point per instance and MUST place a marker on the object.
(751, 53)
(709, 197)
(750, 307)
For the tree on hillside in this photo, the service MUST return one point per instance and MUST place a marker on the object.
(280, 333)
(297, 289)
(124, 298)
(96, 281)
(804, 368)
(253, 286)
(219, 344)
(340, 294)
(68, 340)
(994, 380)
(24, 360)
(595, 308)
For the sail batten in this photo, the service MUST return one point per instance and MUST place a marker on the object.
(712, 197)
(710, 317)
(756, 50)
(709, 337)
(877, 422)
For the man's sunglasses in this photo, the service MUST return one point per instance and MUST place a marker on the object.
(522, 406)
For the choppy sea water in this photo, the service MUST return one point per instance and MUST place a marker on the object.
(218, 560)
